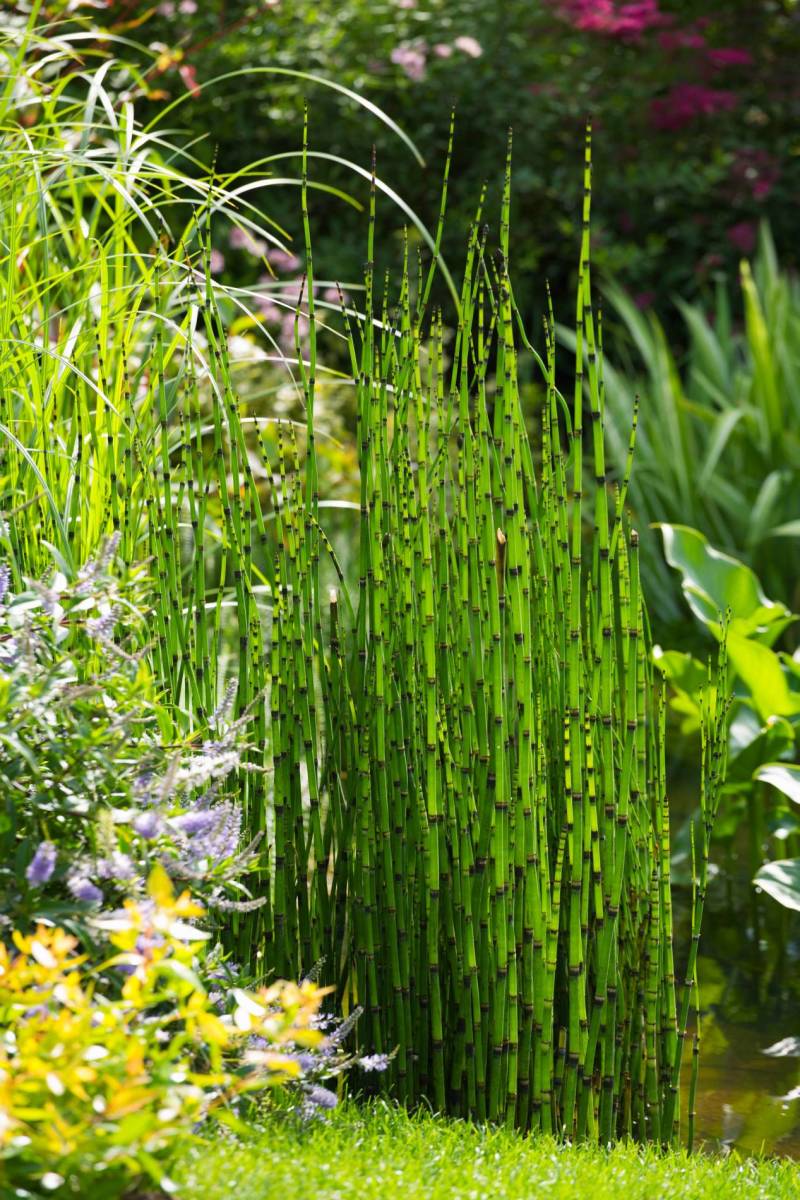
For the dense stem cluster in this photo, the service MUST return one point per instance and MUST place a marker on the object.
(481, 840)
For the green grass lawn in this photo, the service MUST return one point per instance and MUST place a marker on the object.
(380, 1152)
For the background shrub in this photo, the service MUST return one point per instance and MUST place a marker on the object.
(696, 114)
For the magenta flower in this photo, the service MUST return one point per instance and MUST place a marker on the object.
(742, 236)
(442, 50)
(729, 57)
(687, 101)
(633, 19)
(217, 263)
(606, 17)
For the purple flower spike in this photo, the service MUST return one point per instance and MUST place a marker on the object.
(193, 823)
(148, 824)
(83, 889)
(374, 1062)
(102, 627)
(42, 865)
(322, 1097)
(117, 866)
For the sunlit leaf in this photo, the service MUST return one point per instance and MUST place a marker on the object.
(783, 776)
(715, 584)
(781, 881)
(762, 672)
(788, 1047)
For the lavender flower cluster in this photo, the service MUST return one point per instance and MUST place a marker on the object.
(177, 818)
(321, 1066)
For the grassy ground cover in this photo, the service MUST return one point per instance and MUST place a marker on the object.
(383, 1151)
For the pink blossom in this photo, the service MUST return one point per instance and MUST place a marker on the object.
(286, 337)
(331, 294)
(442, 50)
(269, 310)
(686, 101)
(284, 260)
(469, 45)
(187, 7)
(742, 236)
(217, 263)
(189, 76)
(644, 299)
(406, 3)
(265, 302)
(240, 239)
(729, 56)
(410, 59)
(291, 291)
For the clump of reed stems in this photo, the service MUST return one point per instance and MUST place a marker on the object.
(470, 808)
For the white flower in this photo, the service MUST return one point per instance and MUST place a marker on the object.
(468, 45)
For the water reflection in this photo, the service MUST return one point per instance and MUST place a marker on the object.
(749, 972)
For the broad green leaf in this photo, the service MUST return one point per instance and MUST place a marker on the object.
(783, 826)
(688, 679)
(761, 670)
(783, 776)
(715, 583)
(781, 881)
(751, 743)
(681, 670)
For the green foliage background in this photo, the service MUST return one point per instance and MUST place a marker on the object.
(667, 197)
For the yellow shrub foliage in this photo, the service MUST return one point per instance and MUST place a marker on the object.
(103, 1065)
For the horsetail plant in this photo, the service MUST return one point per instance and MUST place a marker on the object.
(455, 761)
(495, 880)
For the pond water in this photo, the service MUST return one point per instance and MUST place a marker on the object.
(749, 973)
